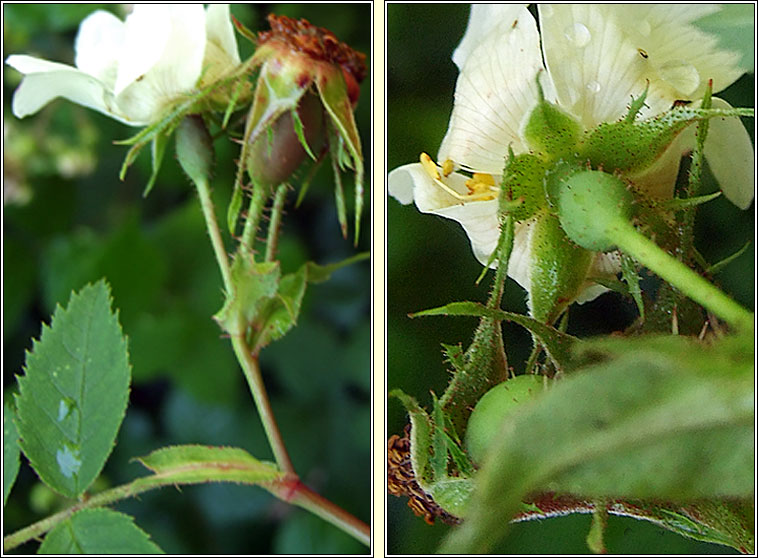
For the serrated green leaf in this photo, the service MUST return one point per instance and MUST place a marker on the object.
(557, 344)
(196, 463)
(10, 451)
(98, 531)
(664, 418)
(72, 397)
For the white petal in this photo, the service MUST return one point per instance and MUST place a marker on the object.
(98, 45)
(182, 60)
(38, 89)
(220, 30)
(148, 29)
(658, 181)
(482, 20)
(604, 265)
(520, 262)
(602, 55)
(143, 102)
(411, 183)
(495, 90)
(177, 70)
(595, 69)
(674, 43)
(479, 219)
(401, 181)
(731, 157)
(32, 65)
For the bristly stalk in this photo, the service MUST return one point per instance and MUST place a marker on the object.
(484, 363)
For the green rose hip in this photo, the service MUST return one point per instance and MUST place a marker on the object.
(495, 407)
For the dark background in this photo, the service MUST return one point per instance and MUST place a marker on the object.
(430, 263)
(69, 220)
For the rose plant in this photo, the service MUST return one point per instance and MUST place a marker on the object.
(232, 105)
(560, 161)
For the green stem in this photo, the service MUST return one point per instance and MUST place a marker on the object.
(245, 357)
(302, 496)
(286, 489)
(214, 232)
(254, 212)
(648, 253)
(305, 498)
(35, 530)
(254, 379)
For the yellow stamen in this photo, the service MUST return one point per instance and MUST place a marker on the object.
(430, 167)
(481, 186)
(447, 167)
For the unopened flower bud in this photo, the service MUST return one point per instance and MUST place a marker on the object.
(194, 148)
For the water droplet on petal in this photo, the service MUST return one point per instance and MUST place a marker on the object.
(682, 76)
(578, 35)
(68, 461)
(593, 86)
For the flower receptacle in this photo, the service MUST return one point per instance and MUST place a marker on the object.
(590, 204)
(274, 157)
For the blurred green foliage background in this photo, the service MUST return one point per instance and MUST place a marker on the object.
(68, 220)
(430, 263)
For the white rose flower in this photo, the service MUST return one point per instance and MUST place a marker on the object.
(596, 59)
(133, 70)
